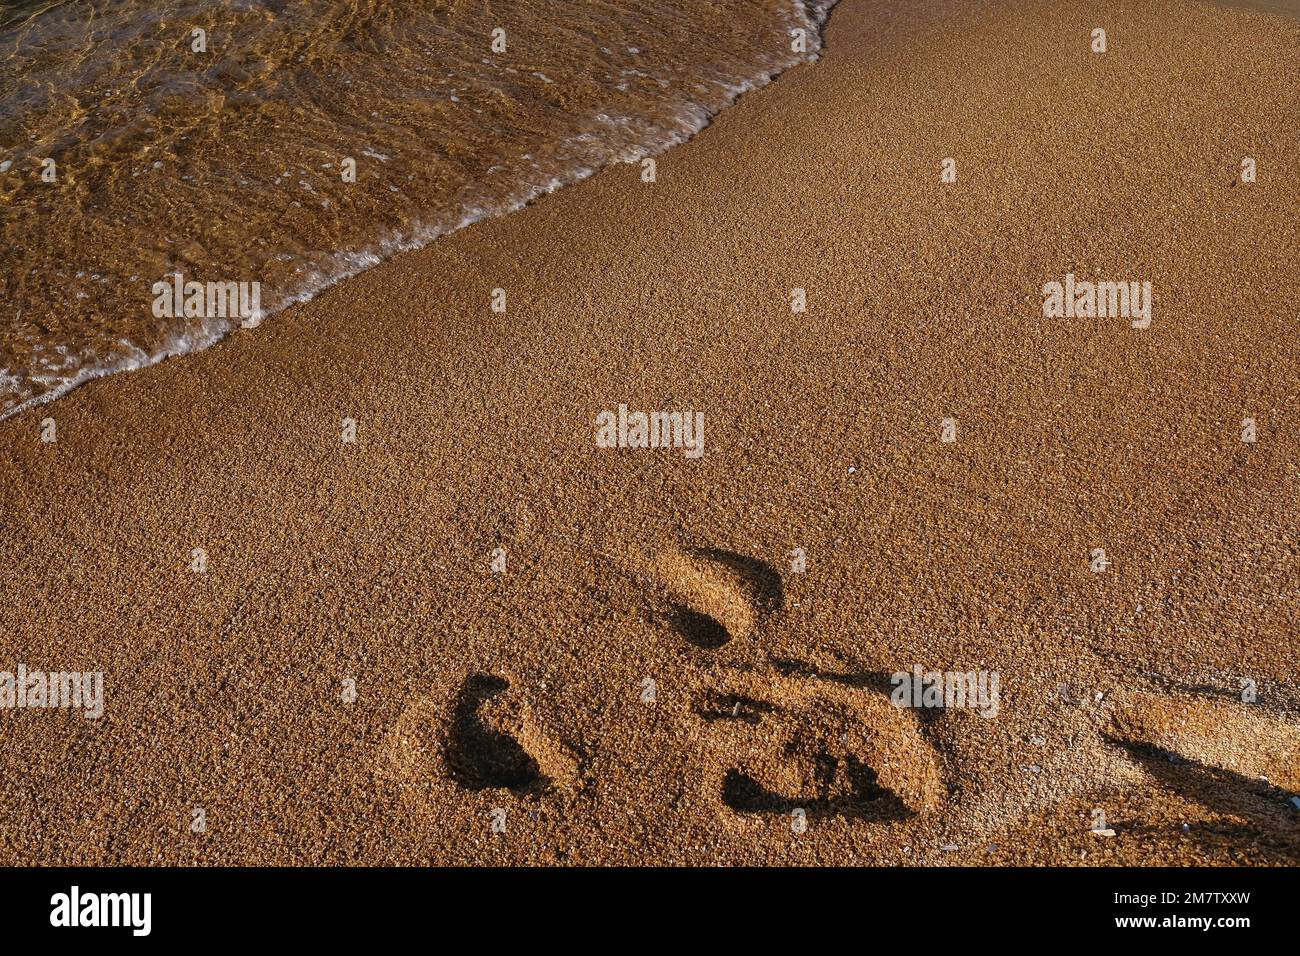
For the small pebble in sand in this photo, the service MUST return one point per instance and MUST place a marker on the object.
(1295, 802)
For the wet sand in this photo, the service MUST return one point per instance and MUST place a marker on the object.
(651, 679)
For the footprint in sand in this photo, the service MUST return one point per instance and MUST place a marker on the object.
(485, 737)
(820, 744)
(717, 596)
(1232, 758)
(787, 739)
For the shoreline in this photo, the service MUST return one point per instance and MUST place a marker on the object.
(371, 561)
(347, 263)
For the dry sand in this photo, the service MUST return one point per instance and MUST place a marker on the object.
(525, 691)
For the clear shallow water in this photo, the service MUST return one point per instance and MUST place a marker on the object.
(226, 165)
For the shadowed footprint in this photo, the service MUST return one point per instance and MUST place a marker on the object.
(486, 738)
(1231, 758)
(1242, 738)
(481, 750)
(820, 746)
(699, 629)
(718, 596)
(846, 786)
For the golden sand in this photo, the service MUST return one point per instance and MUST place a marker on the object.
(652, 679)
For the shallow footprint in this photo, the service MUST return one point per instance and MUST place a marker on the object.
(1241, 738)
(718, 596)
(817, 745)
(1230, 757)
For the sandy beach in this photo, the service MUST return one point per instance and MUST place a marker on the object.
(473, 635)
